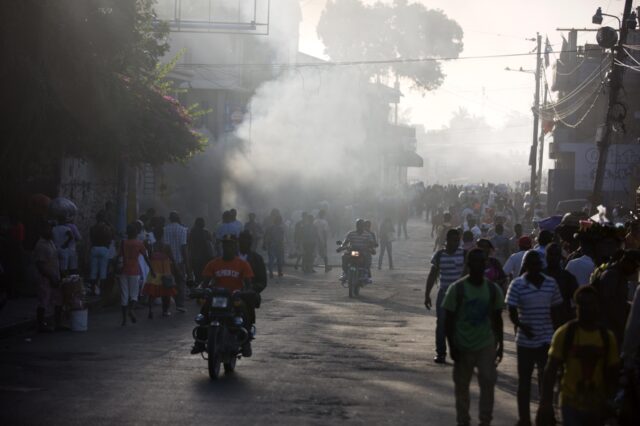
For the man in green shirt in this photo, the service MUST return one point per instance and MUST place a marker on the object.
(474, 331)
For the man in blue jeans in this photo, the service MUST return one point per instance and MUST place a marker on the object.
(447, 265)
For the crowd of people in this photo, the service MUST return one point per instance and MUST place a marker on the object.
(568, 289)
(567, 285)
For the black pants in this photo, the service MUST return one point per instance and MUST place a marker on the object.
(528, 358)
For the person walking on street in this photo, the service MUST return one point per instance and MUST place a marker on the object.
(447, 265)
(532, 298)
(255, 229)
(100, 236)
(163, 283)
(322, 228)
(403, 218)
(200, 244)
(297, 239)
(501, 244)
(513, 266)
(567, 283)
(130, 249)
(443, 229)
(474, 332)
(386, 234)
(175, 235)
(514, 241)
(612, 284)
(589, 353)
(309, 242)
(274, 244)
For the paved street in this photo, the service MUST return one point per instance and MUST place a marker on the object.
(319, 358)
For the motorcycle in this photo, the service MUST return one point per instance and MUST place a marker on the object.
(225, 326)
(357, 271)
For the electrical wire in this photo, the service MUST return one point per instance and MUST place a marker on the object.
(595, 74)
(367, 62)
(631, 56)
(631, 67)
(561, 118)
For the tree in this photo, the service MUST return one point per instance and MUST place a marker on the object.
(81, 79)
(353, 31)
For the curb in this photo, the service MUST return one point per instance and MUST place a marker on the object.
(30, 324)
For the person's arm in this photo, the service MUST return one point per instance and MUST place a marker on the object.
(431, 281)
(515, 319)
(499, 333)
(69, 235)
(144, 254)
(512, 303)
(449, 327)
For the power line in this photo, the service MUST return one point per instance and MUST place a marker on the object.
(366, 62)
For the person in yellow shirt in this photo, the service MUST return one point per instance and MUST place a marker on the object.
(589, 353)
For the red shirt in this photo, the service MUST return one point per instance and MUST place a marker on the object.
(130, 251)
(229, 274)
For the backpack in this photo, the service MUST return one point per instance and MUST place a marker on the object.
(492, 299)
(572, 327)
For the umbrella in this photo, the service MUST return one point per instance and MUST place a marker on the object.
(549, 223)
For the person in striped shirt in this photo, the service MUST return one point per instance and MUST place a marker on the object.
(534, 301)
(448, 265)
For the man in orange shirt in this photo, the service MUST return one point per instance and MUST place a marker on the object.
(232, 273)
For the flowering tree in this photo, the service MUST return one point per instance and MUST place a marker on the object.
(81, 79)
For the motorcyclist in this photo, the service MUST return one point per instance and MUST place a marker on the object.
(229, 272)
(358, 240)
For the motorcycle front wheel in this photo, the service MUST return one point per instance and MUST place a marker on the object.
(214, 362)
(353, 283)
(229, 367)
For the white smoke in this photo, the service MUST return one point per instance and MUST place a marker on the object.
(308, 128)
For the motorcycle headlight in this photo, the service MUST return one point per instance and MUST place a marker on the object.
(219, 302)
(238, 321)
(355, 254)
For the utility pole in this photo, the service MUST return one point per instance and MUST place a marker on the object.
(541, 141)
(536, 106)
(615, 84)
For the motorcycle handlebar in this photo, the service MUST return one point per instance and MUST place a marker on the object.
(199, 293)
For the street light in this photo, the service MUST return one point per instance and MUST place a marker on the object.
(597, 18)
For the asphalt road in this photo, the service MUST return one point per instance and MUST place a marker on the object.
(319, 358)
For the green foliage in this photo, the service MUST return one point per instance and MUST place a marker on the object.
(352, 31)
(90, 86)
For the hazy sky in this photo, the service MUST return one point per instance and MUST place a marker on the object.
(490, 27)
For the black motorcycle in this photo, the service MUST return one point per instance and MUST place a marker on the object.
(357, 271)
(225, 328)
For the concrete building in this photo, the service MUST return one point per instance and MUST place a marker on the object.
(578, 78)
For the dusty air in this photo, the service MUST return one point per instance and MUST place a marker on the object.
(320, 212)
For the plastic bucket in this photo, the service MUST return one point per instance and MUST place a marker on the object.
(80, 320)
